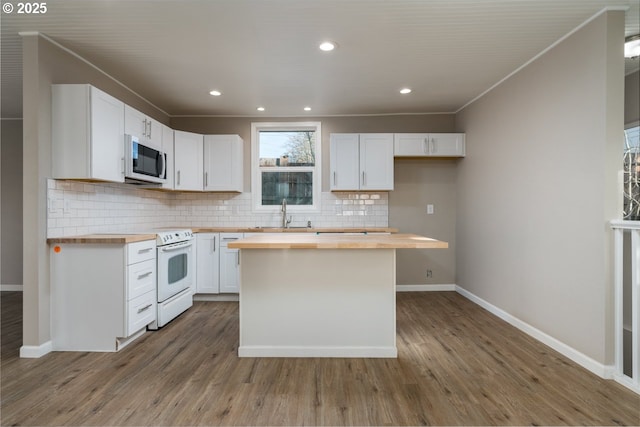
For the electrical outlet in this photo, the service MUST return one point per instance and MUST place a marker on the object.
(430, 209)
(429, 274)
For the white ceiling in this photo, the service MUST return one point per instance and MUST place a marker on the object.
(265, 52)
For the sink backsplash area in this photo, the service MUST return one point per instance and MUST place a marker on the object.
(76, 208)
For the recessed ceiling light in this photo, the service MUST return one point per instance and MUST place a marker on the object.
(405, 90)
(215, 93)
(327, 46)
(307, 108)
(260, 108)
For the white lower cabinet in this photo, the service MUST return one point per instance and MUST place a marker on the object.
(208, 263)
(217, 266)
(229, 264)
(103, 295)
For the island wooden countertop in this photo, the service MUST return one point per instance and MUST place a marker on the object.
(104, 239)
(338, 241)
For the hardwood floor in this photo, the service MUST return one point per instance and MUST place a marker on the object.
(457, 364)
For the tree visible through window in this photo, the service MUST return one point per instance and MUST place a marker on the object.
(286, 163)
(632, 174)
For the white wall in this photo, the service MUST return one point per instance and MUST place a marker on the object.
(11, 204)
(538, 187)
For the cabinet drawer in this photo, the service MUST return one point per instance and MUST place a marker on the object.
(141, 251)
(140, 312)
(225, 238)
(141, 278)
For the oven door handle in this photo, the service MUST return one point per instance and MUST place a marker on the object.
(176, 247)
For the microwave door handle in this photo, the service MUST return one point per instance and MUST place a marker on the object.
(162, 158)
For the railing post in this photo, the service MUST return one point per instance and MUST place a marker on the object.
(635, 305)
(618, 299)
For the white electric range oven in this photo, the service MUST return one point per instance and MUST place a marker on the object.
(176, 273)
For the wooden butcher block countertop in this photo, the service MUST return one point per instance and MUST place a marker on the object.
(103, 238)
(293, 230)
(338, 241)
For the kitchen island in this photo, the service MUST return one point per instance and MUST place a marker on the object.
(307, 295)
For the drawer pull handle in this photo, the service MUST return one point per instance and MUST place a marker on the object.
(146, 307)
(148, 273)
(141, 251)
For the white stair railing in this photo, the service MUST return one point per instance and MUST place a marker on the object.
(633, 228)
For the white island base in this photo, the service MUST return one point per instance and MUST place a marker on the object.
(317, 303)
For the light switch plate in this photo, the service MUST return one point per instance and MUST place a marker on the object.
(429, 209)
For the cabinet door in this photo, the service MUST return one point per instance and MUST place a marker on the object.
(148, 130)
(229, 264)
(167, 147)
(154, 133)
(223, 163)
(187, 161)
(410, 144)
(87, 134)
(134, 123)
(107, 137)
(376, 161)
(208, 263)
(345, 161)
(446, 144)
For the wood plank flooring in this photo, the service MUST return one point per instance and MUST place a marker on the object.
(457, 365)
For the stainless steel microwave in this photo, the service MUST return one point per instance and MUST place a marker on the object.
(144, 163)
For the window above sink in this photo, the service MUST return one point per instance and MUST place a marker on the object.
(286, 165)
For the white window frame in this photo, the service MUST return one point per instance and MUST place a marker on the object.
(256, 177)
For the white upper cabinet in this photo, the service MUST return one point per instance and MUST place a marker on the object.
(429, 144)
(87, 134)
(361, 161)
(167, 148)
(376, 161)
(345, 161)
(148, 130)
(188, 162)
(223, 163)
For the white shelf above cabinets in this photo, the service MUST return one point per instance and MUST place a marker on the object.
(361, 162)
(429, 144)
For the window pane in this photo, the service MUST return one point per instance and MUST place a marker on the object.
(293, 148)
(296, 187)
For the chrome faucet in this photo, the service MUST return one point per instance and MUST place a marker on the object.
(285, 221)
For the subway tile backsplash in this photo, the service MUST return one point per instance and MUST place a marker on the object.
(75, 208)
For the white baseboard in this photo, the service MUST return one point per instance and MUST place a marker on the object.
(625, 381)
(425, 288)
(11, 288)
(216, 297)
(36, 351)
(581, 359)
